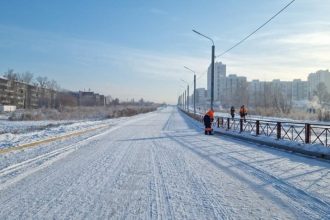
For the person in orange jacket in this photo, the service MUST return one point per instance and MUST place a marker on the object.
(208, 119)
(243, 112)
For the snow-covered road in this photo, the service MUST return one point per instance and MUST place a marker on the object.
(161, 166)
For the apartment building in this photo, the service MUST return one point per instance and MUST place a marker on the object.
(314, 79)
(234, 90)
(4, 93)
(90, 99)
(219, 75)
(231, 89)
(201, 96)
(23, 95)
(299, 90)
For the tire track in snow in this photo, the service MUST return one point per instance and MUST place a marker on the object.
(49, 174)
(89, 171)
(162, 194)
(15, 168)
(49, 178)
(189, 181)
(194, 181)
(116, 168)
(37, 163)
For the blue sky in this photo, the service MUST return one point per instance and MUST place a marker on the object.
(134, 49)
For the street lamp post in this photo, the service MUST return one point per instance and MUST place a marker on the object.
(212, 66)
(194, 88)
(187, 97)
(183, 96)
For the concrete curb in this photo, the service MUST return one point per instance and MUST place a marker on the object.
(276, 145)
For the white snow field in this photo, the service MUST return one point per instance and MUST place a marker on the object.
(160, 165)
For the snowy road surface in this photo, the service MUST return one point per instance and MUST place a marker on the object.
(161, 166)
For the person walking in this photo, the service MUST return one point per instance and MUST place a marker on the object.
(232, 112)
(243, 112)
(208, 119)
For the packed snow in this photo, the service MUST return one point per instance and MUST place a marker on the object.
(160, 165)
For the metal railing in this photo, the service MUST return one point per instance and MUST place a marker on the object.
(299, 132)
(308, 133)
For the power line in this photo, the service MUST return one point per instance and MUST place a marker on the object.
(264, 24)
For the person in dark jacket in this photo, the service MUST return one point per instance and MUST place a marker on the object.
(232, 112)
(208, 119)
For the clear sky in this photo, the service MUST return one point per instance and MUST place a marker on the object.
(134, 49)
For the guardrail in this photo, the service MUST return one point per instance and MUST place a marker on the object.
(309, 133)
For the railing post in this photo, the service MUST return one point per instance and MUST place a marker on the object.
(218, 122)
(279, 129)
(228, 123)
(307, 133)
(257, 127)
(222, 122)
(241, 125)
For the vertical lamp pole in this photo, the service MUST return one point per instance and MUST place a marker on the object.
(212, 66)
(180, 103)
(183, 99)
(194, 88)
(187, 97)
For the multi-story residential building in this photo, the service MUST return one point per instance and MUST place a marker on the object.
(87, 98)
(256, 89)
(299, 90)
(4, 96)
(234, 90)
(23, 95)
(20, 94)
(285, 87)
(314, 79)
(226, 87)
(201, 96)
(90, 99)
(31, 97)
(12, 93)
(219, 75)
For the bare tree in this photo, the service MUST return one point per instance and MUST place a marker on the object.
(322, 93)
(52, 85)
(42, 81)
(25, 77)
(11, 75)
(281, 102)
(42, 84)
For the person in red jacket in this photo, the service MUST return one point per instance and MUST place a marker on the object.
(208, 119)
